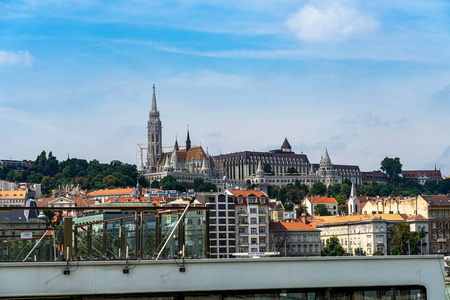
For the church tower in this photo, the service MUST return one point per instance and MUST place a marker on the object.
(154, 134)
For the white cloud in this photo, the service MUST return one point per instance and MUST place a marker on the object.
(16, 58)
(329, 20)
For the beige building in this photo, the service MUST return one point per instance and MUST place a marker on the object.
(368, 232)
(411, 206)
(252, 220)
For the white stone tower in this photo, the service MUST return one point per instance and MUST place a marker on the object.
(154, 134)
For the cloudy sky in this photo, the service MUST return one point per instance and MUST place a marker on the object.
(367, 79)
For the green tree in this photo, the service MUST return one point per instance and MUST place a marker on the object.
(392, 167)
(318, 189)
(321, 209)
(291, 170)
(170, 183)
(110, 181)
(360, 252)
(267, 168)
(155, 184)
(333, 248)
(403, 241)
(346, 190)
(201, 186)
(301, 209)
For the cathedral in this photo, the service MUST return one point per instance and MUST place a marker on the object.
(185, 164)
(236, 169)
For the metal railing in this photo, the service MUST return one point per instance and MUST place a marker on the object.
(106, 234)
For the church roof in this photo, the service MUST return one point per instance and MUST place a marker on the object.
(195, 153)
(286, 144)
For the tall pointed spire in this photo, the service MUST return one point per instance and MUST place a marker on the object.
(259, 171)
(176, 144)
(188, 140)
(326, 157)
(353, 191)
(154, 108)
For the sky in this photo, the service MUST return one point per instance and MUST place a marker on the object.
(366, 79)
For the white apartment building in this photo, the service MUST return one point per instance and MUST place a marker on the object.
(252, 220)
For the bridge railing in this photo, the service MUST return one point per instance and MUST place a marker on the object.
(113, 234)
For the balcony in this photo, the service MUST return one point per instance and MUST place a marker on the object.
(262, 244)
(243, 233)
(243, 224)
(262, 213)
(442, 240)
(442, 251)
(262, 234)
(262, 224)
(242, 213)
(243, 244)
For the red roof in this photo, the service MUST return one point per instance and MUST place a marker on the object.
(248, 193)
(435, 174)
(321, 200)
(289, 226)
(79, 201)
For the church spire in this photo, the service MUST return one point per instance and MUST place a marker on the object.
(154, 108)
(176, 144)
(188, 140)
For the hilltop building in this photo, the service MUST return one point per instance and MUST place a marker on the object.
(422, 176)
(246, 168)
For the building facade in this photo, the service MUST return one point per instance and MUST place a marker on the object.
(367, 232)
(222, 223)
(439, 222)
(294, 239)
(245, 168)
(252, 220)
(331, 204)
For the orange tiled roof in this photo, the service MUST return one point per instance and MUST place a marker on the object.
(418, 217)
(289, 226)
(321, 200)
(247, 193)
(354, 218)
(110, 192)
(16, 194)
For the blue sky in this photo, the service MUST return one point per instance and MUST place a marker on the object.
(367, 79)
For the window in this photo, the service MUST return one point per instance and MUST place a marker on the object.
(253, 230)
(262, 240)
(262, 230)
(253, 221)
(440, 214)
(222, 206)
(240, 200)
(433, 225)
(252, 199)
(446, 213)
(263, 200)
(253, 210)
(433, 214)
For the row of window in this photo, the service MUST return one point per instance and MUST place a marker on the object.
(439, 213)
(361, 229)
